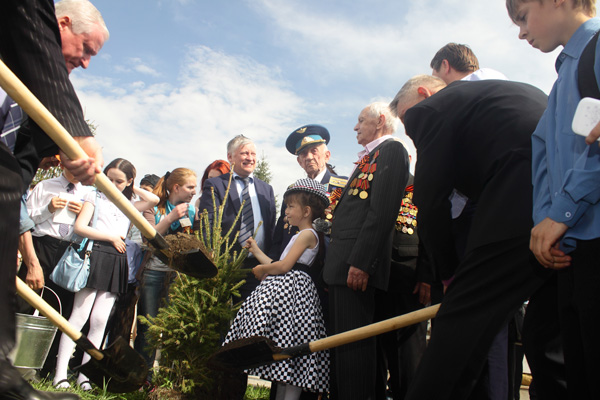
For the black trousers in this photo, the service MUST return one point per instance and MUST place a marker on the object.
(542, 342)
(355, 364)
(490, 285)
(11, 189)
(579, 302)
(399, 352)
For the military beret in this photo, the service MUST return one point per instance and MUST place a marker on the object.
(305, 136)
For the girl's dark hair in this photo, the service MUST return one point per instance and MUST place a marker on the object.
(318, 211)
(128, 169)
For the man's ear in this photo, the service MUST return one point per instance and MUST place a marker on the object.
(381, 121)
(64, 22)
(445, 67)
(298, 159)
(425, 92)
(327, 156)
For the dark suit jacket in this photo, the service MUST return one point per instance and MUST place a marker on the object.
(281, 235)
(31, 48)
(266, 199)
(475, 137)
(361, 234)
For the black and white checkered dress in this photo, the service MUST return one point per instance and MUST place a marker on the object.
(286, 308)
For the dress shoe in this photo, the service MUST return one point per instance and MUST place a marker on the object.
(24, 391)
(14, 387)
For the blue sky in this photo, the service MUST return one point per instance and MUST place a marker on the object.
(178, 78)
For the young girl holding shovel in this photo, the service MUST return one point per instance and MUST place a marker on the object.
(285, 307)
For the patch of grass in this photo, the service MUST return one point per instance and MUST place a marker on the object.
(257, 393)
(252, 392)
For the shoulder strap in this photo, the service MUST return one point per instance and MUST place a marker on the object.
(586, 77)
(90, 242)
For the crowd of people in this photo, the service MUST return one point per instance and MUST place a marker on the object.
(504, 192)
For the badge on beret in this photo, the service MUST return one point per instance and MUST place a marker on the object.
(306, 135)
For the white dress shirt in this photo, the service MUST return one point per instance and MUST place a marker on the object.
(39, 199)
(260, 235)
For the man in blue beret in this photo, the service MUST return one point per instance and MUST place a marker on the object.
(309, 144)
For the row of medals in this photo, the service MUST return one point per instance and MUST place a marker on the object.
(363, 194)
(407, 216)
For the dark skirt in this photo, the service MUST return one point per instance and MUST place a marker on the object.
(108, 268)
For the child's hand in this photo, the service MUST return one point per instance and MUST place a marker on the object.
(56, 204)
(180, 210)
(251, 245)
(259, 272)
(75, 206)
(118, 243)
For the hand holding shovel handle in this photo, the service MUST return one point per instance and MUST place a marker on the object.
(198, 265)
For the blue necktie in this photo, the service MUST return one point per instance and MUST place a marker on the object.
(247, 223)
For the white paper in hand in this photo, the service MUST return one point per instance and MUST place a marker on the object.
(64, 216)
(587, 116)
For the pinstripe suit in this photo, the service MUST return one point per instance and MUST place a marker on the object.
(361, 236)
(31, 48)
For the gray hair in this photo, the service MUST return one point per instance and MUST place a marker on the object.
(381, 108)
(409, 90)
(237, 142)
(85, 18)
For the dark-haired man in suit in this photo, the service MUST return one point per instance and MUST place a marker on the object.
(259, 206)
(357, 266)
(474, 137)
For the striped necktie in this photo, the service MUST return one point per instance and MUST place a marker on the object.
(247, 223)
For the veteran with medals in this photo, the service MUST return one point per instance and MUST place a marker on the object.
(357, 266)
(309, 144)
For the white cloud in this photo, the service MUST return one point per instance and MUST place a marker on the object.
(159, 127)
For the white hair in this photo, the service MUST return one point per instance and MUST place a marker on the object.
(379, 108)
(85, 18)
(236, 143)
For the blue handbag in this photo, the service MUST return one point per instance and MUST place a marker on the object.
(72, 271)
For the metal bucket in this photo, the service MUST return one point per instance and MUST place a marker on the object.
(34, 335)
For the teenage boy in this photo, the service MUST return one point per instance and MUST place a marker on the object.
(566, 180)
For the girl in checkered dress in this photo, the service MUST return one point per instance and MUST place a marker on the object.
(285, 307)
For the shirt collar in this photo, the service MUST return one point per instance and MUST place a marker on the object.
(251, 176)
(577, 42)
(369, 147)
(321, 174)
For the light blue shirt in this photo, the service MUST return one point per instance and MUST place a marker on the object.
(566, 171)
(257, 215)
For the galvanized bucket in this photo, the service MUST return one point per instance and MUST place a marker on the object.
(34, 335)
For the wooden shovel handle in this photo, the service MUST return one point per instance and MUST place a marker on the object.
(40, 114)
(47, 311)
(374, 329)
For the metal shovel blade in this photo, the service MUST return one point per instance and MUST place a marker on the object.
(244, 353)
(121, 370)
(193, 263)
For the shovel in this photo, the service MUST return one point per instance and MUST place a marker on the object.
(255, 351)
(119, 368)
(195, 263)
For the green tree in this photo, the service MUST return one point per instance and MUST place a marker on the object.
(263, 172)
(263, 169)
